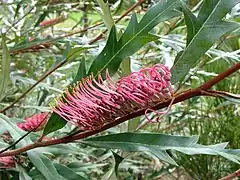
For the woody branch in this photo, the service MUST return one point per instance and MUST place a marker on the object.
(200, 91)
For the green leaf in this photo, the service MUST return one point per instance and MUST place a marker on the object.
(126, 67)
(133, 124)
(67, 173)
(44, 165)
(117, 159)
(135, 36)
(207, 28)
(112, 174)
(4, 175)
(23, 175)
(3, 145)
(54, 123)
(72, 53)
(158, 144)
(153, 143)
(17, 9)
(105, 14)
(4, 68)
(36, 175)
(81, 71)
(58, 149)
(14, 130)
(163, 155)
(191, 23)
(41, 18)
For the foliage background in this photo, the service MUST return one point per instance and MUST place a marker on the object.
(215, 120)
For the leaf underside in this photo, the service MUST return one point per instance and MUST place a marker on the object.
(158, 144)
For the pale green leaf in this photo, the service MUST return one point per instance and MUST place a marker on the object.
(4, 68)
(44, 165)
(105, 14)
(158, 144)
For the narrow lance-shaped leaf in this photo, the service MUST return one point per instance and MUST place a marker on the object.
(4, 68)
(54, 123)
(158, 144)
(135, 36)
(81, 73)
(191, 22)
(118, 159)
(208, 28)
(143, 142)
(105, 13)
(44, 165)
(68, 173)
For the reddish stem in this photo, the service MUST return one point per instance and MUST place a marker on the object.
(220, 77)
(231, 176)
(202, 90)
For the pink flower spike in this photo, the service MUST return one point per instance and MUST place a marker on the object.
(7, 162)
(91, 103)
(36, 122)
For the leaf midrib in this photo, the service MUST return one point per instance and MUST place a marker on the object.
(133, 38)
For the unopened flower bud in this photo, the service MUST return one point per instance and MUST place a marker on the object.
(36, 122)
(7, 162)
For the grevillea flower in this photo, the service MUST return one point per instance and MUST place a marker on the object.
(91, 104)
(7, 162)
(37, 121)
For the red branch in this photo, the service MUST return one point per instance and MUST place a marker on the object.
(231, 176)
(200, 91)
(221, 76)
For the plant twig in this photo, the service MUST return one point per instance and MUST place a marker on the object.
(200, 91)
(85, 134)
(231, 176)
(220, 77)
